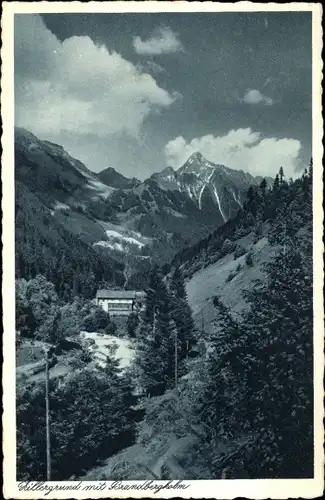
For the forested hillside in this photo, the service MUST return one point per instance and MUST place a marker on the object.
(244, 406)
(44, 246)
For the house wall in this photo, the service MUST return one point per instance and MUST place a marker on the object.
(116, 306)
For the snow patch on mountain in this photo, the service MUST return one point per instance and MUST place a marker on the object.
(113, 246)
(61, 206)
(120, 238)
(218, 202)
(115, 234)
(236, 198)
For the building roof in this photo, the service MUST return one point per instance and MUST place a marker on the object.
(119, 294)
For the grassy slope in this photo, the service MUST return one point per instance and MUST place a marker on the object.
(212, 280)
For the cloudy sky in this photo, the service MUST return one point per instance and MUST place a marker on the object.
(139, 92)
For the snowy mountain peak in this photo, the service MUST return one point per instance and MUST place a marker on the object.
(196, 157)
(212, 185)
(197, 163)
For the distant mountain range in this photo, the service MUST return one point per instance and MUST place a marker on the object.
(127, 217)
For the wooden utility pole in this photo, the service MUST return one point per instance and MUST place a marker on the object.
(47, 411)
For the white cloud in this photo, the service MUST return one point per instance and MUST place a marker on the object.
(79, 87)
(241, 149)
(256, 97)
(152, 68)
(164, 41)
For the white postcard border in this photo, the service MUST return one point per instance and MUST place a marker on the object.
(224, 489)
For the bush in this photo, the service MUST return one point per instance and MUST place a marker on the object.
(231, 276)
(233, 273)
(227, 247)
(97, 320)
(132, 325)
(249, 259)
(111, 328)
(241, 232)
(239, 251)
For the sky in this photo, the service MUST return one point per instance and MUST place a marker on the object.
(139, 92)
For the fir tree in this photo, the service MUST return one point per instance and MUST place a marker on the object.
(181, 314)
(177, 284)
(220, 402)
(276, 183)
(154, 356)
(263, 186)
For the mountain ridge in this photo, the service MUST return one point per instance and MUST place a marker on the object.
(111, 177)
(127, 219)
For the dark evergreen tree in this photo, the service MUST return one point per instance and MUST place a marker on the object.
(276, 183)
(177, 284)
(132, 325)
(263, 186)
(156, 339)
(182, 315)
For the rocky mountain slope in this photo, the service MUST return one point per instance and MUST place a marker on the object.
(214, 188)
(114, 179)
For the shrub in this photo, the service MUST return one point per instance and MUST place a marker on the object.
(132, 325)
(111, 328)
(241, 232)
(227, 247)
(249, 259)
(231, 276)
(97, 320)
(239, 251)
